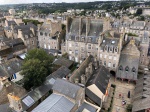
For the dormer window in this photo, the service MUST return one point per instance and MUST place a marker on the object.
(90, 39)
(82, 38)
(31, 35)
(26, 36)
(116, 49)
(120, 68)
(127, 69)
(41, 33)
(106, 48)
(45, 34)
(110, 49)
(113, 42)
(133, 70)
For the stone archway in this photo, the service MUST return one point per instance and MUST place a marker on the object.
(113, 73)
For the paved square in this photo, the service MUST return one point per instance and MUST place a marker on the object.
(122, 88)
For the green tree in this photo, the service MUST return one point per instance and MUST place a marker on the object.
(139, 11)
(37, 65)
(129, 108)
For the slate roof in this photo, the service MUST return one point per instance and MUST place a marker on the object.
(63, 62)
(129, 58)
(94, 28)
(92, 96)
(55, 103)
(100, 78)
(11, 67)
(11, 23)
(66, 88)
(86, 106)
(61, 72)
(14, 42)
(142, 94)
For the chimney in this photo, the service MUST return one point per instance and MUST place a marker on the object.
(76, 80)
(87, 26)
(4, 81)
(15, 102)
(90, 68)
(33, 31)
(39, 26)
(83, 79)
(87, 73)
(12, 26)
(80, 26)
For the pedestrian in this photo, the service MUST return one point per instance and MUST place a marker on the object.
(119, 95)
(128, 94)
(122, 97)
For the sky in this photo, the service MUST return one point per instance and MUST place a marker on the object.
(41, 1)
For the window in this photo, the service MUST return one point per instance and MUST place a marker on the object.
(45, 34)
(101, 55)
(89, 46)
(76, 44)
(106, 48)
(114, 65)
(115, 58)
(70, 52)
(49, 47)
(100, 62)
(32, 42)
(133, 69)
(110, 57)
(116, 49)
(120, 67)
(127, 69)
(109, 64)
(104, 63)
(76, 52)
(45, 46)
(105, 56)
(41, 33)
(70, 45)
(110, 49)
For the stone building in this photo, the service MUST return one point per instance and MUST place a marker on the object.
(129, 62)
(82, 36)
(144, 45)
(50, 35)
(110, 43)
(29, 37)
(141, 96)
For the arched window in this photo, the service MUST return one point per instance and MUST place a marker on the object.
(127, 69)
(120, 67)
(106, 48)
(116, 49)
(133, 69)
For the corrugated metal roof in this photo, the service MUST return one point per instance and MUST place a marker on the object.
(55, 103)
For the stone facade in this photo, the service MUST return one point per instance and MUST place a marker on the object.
(49, 35)
(109, 51)
(129, 62)
(82, 36)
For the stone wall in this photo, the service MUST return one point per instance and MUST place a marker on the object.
(81, 70)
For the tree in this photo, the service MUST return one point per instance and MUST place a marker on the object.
(129, 108)
(35, 68)
(139, 11)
